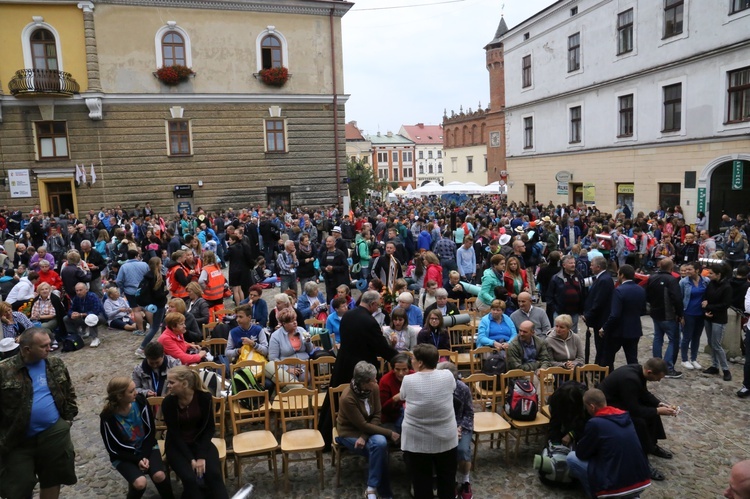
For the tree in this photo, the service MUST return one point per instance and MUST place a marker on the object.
(361, 179)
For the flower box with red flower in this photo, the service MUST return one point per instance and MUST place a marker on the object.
(274, 77)
(173, 75)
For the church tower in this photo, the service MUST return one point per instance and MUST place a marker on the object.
(496, 117)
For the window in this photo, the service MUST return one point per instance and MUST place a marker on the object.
(625, 32)
(408, 172)
(485, 162)
(383, 173)
(739, 95)
(179, 138)
(173, 49)
(440, 167)
(52, 139)
(430, 168)
(669, 195)
(469, 164)
(421, 169)
(275, 140)
(625, 106)
(526, 35)
(672, 107)
(395, 174)
(454, 165)
(395, 157)
(575, 125)
(739, 5)
(365, 159)
(44, 50)
(407, 156)
(429, 154)
(528, 132)
(270, 49)
(673, 12)
(526, 71)
(573, 11)
(383, 157)
(440, 154)
(421, 154)
(574, 52)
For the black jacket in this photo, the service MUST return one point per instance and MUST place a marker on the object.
(625, 388)
(565, 294)
(599, 301)
(94, 258)
(202, 444)
(719, 298)
(664, 296)
(118, 444)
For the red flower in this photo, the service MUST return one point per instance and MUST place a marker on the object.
(275, 77)
(173, 75)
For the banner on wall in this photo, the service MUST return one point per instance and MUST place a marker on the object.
(20, 185)
(589, 193)
(702, 199)
(562, 188)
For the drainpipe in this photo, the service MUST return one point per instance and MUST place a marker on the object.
(335, 111)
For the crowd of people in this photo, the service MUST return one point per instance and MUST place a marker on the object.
(538, 281)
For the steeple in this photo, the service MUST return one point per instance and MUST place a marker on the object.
(502, 28)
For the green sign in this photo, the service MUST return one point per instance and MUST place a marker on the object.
(702, 199)
(737, 174)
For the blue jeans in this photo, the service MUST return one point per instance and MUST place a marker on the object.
(579, 469)
(660, 329)
(691, 336)
(155, 324)
(715, 334)
(376, 452)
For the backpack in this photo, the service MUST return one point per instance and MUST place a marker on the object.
(72, 342)
(143, 294)
(355, 253)
(212, 382)
(493, 363)
(244, 379)
(522, 401)
(552, 465)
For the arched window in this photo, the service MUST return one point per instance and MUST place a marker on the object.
(270, 48)
(43, 50)
(173, 49)
(448, 137)
(474, 135)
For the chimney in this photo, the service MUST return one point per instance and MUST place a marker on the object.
(389, 134)
(420, 125)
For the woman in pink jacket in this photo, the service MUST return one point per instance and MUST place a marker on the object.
(174, 343)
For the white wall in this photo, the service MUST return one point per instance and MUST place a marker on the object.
(461, 174)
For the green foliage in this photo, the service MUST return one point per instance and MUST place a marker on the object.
(361, 179)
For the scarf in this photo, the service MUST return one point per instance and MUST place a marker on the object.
(360, 393)
(392, 266)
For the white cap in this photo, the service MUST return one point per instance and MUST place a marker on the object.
(337, 229)
(91, 320)
(8, 345)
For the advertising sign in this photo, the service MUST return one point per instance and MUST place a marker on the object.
(20, 185)
(589, 194)
(737, 173)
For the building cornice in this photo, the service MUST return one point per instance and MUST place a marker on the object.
(307, 7)
(9, 101)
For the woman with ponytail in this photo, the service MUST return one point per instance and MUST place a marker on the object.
(127, 428)
(189, 415)
(154, 293)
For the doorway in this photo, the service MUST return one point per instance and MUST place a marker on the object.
(530, 194)
(57, 195)
(723, 198)
(576, 193)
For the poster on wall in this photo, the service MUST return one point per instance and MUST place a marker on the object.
(20, 185)
(562, 189)
(589, 194)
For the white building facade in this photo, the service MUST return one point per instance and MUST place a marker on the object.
(638, 102)
(428, 143)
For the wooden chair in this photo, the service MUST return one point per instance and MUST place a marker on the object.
(208, 329)
(450, 354)
(218, 315)
(550, 380)
(281, 384)
(456, 302)
(487, 422)
(521, 426)
(258, 369)
(314, 323)
(220, 442)
(462, 341)
(337, 451)
(477, 356)
(217, 346)
(160, 427)
(257, 442)
(591, 374)
(299, 405)
(471, 304)
(321, 370)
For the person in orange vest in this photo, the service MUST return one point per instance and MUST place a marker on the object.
(212, 281)
(178, 275)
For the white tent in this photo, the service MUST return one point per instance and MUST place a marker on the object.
(399, 192)
(426, 190)
(454, 188)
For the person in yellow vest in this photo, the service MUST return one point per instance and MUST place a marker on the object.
(178, 275)
(212, 281)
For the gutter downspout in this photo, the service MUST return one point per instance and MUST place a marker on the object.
(335, 111)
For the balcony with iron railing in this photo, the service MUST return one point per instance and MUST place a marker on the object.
(42, 82)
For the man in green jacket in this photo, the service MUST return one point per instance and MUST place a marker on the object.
(528, 351)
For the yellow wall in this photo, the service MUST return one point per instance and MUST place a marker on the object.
(66, 19)
(223, 49)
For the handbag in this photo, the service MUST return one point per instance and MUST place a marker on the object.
(493, 363)
(249, 353)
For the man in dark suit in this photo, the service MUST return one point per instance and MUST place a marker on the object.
(597, 306)
(441, 303)
(623, 327)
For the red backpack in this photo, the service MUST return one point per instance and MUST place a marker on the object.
(522, 401)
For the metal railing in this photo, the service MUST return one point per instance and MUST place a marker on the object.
(42, 81)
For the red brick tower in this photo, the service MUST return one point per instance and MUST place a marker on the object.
(495, 120)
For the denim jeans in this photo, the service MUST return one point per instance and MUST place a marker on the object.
(715, 333)
(376, 452)
(691, 336)
(660, 329)
(155, 324)
(580, 470)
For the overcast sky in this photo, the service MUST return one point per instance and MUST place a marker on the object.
(405, 65)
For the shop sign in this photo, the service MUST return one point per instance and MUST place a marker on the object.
(20, 185)
(184, 206)
(562, 188)
(625, 189)
(702, 199)
(589, 194)
(737, 174)
(564, 176)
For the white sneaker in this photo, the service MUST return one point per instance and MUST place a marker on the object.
(696, 365)
(688, 365)
(139, 353)
(95, 343)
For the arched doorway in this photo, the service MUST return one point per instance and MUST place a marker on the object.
(723, 198)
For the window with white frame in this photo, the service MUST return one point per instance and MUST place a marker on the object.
(526, 71)
(528, 132)
(486, 165)
(440, 167)
(383, 173)
(625, 118)
(395, 157)
(407, 156)
(429, 154)
(383, 158)
(673, 17)
(625, 32)
(173, 46)
(421, 155)
(179, 137)
(469, 164)
(271, 49)
(51, 139)
(421, 169)
(739, 5)
(395, 174)
(430, 168)
(44, 49)
(575, 125)
(672, 108)
(408, 172)
(454, 165)
(574, 52)
(738, 109)
(275, 136)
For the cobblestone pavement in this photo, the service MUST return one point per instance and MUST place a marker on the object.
(708, 436)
